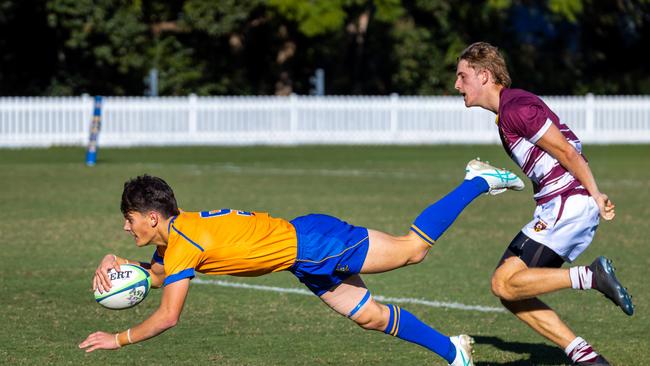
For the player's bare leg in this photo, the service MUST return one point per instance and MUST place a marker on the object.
(513, 280)
(517, 286)
(387, 252)
(537, 315)
(347, 299)
(352, 299)
(547, 323)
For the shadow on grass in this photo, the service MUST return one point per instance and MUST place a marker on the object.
(540, 354)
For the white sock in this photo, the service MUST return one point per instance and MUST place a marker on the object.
(580, 351)
(581, 277)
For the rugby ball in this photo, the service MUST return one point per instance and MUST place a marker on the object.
(129, 287)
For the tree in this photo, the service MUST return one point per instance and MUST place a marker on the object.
(69, 47)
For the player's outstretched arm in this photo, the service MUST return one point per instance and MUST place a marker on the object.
(165, 317)
(554, 143)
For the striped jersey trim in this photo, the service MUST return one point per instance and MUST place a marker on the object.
(186, 273)
(188, 239)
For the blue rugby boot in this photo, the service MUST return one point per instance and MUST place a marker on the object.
(606, 282)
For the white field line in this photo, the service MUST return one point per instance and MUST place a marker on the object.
(288, 171)
(397, 300)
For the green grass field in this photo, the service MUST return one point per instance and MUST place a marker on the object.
(60, 217)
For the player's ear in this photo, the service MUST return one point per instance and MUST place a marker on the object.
(484, 76)
(154, 218)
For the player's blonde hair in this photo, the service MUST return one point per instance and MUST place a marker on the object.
(484, 56)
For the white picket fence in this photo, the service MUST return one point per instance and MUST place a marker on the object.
(192, 120)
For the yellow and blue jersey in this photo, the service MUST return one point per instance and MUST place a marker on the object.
(320, 250)
(226, 242)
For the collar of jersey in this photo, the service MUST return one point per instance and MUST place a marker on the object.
(171, 222)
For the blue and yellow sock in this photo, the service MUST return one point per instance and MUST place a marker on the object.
(406, 326)
(435, 219)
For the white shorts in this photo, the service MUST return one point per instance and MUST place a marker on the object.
(567, 225)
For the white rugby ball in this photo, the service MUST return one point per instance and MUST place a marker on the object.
(129, 287)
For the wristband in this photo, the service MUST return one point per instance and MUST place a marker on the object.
(117, 341)
(124, 338)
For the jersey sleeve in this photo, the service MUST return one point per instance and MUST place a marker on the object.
(528, 119)
(180, 261)
(158, 256)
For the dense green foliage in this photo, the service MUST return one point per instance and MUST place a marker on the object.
(69, 47)
(60, 217)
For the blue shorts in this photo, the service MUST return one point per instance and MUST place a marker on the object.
(329, 251)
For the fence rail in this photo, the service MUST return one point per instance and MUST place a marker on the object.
(192, 120)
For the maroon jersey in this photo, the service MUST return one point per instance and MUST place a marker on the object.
(522, 119)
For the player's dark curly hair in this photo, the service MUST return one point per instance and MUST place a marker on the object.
(146, 193)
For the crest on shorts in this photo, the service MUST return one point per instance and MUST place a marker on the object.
(539, 225)
(342, 268)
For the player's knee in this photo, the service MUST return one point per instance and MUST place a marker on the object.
(372, 318)
(495, 287)
(373, 324)
(500, 288)
(418, 255)
(418, 250)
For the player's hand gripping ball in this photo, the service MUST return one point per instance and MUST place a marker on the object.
(129, 287)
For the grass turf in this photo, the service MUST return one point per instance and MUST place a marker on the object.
(59, 217)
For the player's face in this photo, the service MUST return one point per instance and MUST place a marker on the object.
(468, 83)
(140, 226)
